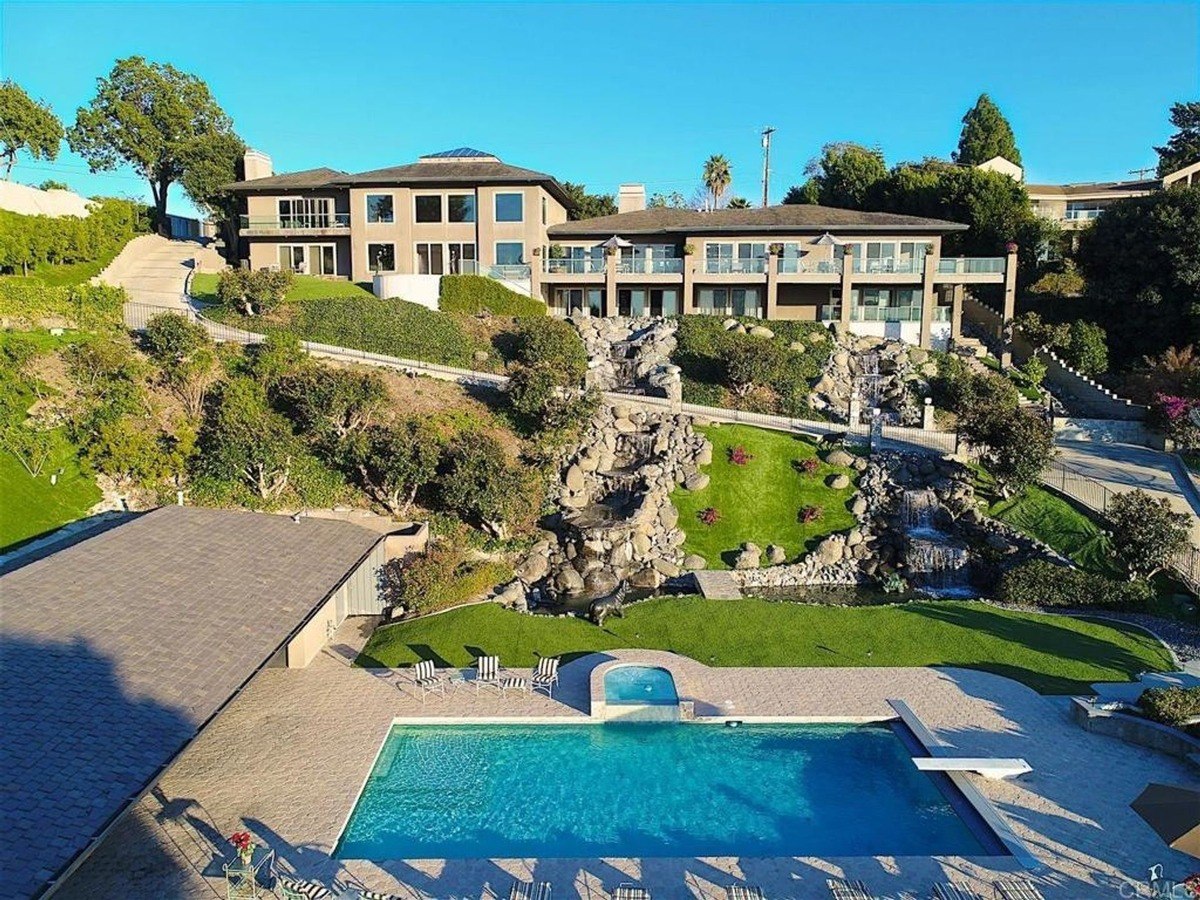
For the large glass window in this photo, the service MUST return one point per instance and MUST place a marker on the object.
(461, 207)
(429, 259)
(510, 253)
(718, 257)
(595, 301)
(380, 208)
(381, 257)
(510, 207)
(751, 258)
(462, 258)
(306, 212)
(428, 207)
(308, 259)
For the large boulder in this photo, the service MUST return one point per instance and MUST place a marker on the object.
(762, 331)
(797, 346)
(568, 581)
(704, 456)
(665, 567)
(533, 568)
(839, 457)
(838, 481)
(574, 478)
(694, 562)
(697, 481)
(831, 550)
(512, 595)
(776, 555)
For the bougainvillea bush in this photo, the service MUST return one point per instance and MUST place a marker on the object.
(739, 456)
(709, 515)
(810, 514)
(1179, 417)
(806, 466)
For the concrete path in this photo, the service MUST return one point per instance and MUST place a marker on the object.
(153, 269)
(1124, 467)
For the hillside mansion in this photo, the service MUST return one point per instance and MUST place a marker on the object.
(463, 211)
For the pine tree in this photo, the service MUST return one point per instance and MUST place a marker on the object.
(985, 134)
(1183, 148)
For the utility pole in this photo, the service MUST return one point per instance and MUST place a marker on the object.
(766, 142)
(1142, 173)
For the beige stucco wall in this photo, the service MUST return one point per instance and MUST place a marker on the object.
(801, 302)
(358, 595)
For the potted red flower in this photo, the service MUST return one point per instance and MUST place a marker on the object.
(245, 846)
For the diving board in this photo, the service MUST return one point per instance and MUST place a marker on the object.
(985, 766)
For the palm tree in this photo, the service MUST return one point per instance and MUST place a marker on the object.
(738, 203)
(717, 178)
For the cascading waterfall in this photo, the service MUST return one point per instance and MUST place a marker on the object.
(934, 562)
(917, 509)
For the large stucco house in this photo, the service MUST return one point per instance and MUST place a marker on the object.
(463, 211)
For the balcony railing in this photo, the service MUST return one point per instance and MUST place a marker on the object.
(298, 222)
(889, 266)
(757, 265)
(654, 265)
(573, 266)
(911, 313)
(971, 265)
(792, 266)
(508, 272)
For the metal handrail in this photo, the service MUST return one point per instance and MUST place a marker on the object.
(757, 265)
(297, 221)
(971, 265)
(889, 265)
(795, 266)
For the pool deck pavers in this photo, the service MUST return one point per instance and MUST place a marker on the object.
(288, 757)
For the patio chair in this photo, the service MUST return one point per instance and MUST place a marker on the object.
(1017, 890)
(299, 889)
(546, 676)
(530, 890)
(629, 891)
(489, 671)
(427, 679)
(376, 895)
(950, 890)
(844, 889)
(745, 892)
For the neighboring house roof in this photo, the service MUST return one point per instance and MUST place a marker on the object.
(788, 218)
(458, 153)
(115, 652)
(1096, 188)
(306, 180)
(31, 201)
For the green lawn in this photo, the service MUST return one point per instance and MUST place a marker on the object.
(304, 287)
(760, 501)
(1052, 654)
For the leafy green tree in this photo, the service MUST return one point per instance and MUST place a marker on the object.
(169, 338)
(161, 122)
(26, 125)
(393, 462)
(673, 200)
(332, 403)
(206, 171)
(477, 481)
(588, 206)
(31, 447)
(188, 358)
(1160, 281)
(844, 175)
(1065, 283)
(1146, 533)
(1183, 147)
(751, 361)
(738, 203)
(1017, 446)
(985, 134)
(129, 452)
(1040, 333)
(1086, 348)
(279, 356)
(717, 177)
(51, 185)
(244, 439)
(808, 192)
(253, 293)
(1035, 370)
(542, 340)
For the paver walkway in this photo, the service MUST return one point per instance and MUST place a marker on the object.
(288, 757)
(153, 269)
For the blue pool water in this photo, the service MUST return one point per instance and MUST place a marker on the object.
(624, 790)
(639, 684)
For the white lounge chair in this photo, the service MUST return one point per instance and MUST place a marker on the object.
(1017, 890)
(427, 680)
(745, 892)
(546, 676)
(489, 671)
(530, 890)
(628, 891)
(950, 890)
(844, 889)
(299, 889)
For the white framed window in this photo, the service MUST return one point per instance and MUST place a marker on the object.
(510, 253)
(308, 259)
(510, 207)
(461, 258)
(460, 208)
(430, 259)
(381, 257)
(381, 209)
(306, 212)
(427, 208)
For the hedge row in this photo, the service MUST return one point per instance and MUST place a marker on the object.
(445, 577)
(32, 241)
(474, 294)
(84, 305)
(1042, 583)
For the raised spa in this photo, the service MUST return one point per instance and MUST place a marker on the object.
(639, 686)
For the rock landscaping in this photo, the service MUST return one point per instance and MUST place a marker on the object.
(626, 354)
(891, 375)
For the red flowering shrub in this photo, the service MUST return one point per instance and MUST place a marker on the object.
(806, 466)
(1179, 417)
(810, 514)
(709, 515)
(738, 456)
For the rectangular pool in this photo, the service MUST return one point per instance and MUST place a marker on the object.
(641, 790)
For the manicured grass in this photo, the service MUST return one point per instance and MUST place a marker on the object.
(1051, 654)
(760, 501)
(304, 287)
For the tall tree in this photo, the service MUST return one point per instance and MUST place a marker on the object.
(738, 203)
(718, 175)
(844, 175)
(206, 172)
(1183, 147)
(161, 122)
(673, 200)
(588, 206)
(26, 124)
(985, 134)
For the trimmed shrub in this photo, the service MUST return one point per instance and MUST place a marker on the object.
(473, 294)
(1171, 705)
(1042, 583)
(710, 515)
(443, 578)
(391, 327)
(810, 514)
(739, 456)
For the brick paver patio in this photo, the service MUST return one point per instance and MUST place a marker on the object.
(288, 758)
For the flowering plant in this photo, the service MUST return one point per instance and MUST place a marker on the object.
(1191, 885)
(1179, 417)
(806, 466)
(739, 456)
(810, 514)
(244, 844)
(709, 515)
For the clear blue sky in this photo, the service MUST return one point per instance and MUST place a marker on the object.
(605, 93)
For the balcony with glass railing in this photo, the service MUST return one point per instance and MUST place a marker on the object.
(889, 265)
(580, 265)
(650, 265)
(796, 266)
(740, 266)
(971, 265)
(317, 221)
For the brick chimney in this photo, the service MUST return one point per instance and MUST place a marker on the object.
(631, 198)
(256, 164)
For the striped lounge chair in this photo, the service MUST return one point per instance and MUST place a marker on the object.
(628, 891)
(844, 889)
(546, 676)
(530, 890)
(745, 892)
(950, 890)
(427, 680)
(489, 671)
(299, 889)
(1017, 890)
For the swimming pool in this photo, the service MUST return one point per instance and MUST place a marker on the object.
(621, 790)
(639, 685)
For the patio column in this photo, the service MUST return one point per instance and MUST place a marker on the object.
(928, 301)
(956, 300)
(687, 300)
(1010, 306)
(772, 283)
(535, 274)
(610, 283)
(847, 281)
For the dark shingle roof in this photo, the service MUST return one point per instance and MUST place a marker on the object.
(115, 651)
(1095, 187)
(456, 170)
(790, 218)
(308, 179)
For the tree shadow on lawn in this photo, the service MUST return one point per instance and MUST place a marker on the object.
(1042, 637)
